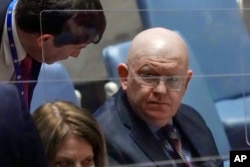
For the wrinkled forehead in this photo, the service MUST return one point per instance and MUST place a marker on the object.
(160, 66)
(158, 56)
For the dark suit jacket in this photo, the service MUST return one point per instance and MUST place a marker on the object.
(129, 139)
(3, 8)
(20, 145)
(35, 65)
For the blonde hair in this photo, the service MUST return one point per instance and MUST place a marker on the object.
(55, 120)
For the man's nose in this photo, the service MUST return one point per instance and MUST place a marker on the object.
(161, 87)
(75, 54)
(78, 164)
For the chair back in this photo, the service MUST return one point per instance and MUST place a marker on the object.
(54, 83)
(112, 56)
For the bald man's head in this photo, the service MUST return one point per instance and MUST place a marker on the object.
(156, 75)
(157, 42)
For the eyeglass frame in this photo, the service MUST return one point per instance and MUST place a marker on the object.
(157, 80)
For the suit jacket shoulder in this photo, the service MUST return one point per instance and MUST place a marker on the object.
(195, 130)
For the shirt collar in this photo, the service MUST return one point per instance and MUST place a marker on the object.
(154, 129)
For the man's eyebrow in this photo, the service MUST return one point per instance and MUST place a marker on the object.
(59, 158)
(146, 69)
(146, 66)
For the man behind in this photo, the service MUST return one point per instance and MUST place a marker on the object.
(153, 82)
(36, 31)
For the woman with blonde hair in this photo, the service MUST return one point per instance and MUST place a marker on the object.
(70, 135)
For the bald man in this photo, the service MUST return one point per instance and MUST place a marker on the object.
(153, 83)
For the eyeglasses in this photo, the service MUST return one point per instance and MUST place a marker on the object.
(171, 82)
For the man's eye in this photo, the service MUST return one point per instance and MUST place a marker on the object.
(173, 79)
(64, 164)
(88, 163)
(148, 77)
(145, 75)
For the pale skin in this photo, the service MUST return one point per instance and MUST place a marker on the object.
(74, 152)
(156, 52)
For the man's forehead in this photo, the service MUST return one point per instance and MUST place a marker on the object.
(156, 65)
(155, 57)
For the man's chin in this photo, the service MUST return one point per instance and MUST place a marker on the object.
(156, 114)
(49, 61)
(158, 120)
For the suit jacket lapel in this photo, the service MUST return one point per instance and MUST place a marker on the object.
(190, 132)
(146, 141)
(183, 120)
(140, 132)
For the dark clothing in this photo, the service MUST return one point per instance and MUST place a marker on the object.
(20, 145)
(3, 8)
(129, 139)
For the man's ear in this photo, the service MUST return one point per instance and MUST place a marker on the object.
(189, 76)
(41, 40)
(122, 70)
